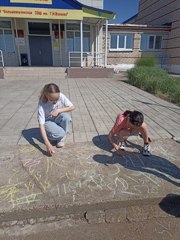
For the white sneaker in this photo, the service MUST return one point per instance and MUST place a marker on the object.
(122, 145)
(146, 150)
(61, 143)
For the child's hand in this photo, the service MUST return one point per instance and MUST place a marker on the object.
(55, 112)
(50, 149)
(118, 150)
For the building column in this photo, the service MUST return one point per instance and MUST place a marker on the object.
(97, 43)
(17, 44)
(106, 44)
(60, 42)
(81, 35)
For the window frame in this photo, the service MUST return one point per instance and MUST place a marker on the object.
(148, 42)
(4, 41)
(74, 34)
(124, 49)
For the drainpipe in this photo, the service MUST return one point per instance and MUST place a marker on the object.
(15, 23)
(81, 28)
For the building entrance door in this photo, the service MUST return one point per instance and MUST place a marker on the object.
(40, 44)
(40, 50)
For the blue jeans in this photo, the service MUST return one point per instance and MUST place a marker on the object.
(58, 127)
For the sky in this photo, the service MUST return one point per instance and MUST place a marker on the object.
(124, 9)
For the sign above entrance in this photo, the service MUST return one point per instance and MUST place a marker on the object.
(51, 9)
(32, 1)
(40, 13)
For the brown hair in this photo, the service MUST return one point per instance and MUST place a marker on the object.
(136, 118)
(47, 89)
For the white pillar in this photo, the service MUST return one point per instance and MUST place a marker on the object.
(81, 34)
(98, 45)
(97, 42)
(106, 44)
(60, 43)
(96, 48)
(19, 58)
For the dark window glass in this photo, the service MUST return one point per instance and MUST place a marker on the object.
(113, 41)
(151, 42)
(39, 28)
(158, 42)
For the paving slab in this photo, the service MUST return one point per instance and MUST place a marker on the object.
(83, 177)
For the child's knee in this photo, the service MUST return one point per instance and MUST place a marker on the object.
(66, 117)
(56, 135)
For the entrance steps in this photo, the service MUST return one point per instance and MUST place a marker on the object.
(95, 72)
(34, 73)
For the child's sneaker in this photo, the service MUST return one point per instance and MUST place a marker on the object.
(122, 145)
(61, 143)
(146, 150)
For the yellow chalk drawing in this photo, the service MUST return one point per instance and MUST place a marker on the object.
(25, 200)
(8, 191)
(37, 176)
(10, 180)
(29, 186)
(51, 162)
(45, 185)
(28, 149)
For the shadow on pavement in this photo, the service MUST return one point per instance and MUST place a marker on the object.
(31, 134)
(153, 164)
(171, 205)
(156, 104)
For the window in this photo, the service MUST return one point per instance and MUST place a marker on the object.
(74, 38)
(121, 42)
(6, 37)
(151, 42)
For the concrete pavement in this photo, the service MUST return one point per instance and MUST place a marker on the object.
(85, 179)
(97, 104)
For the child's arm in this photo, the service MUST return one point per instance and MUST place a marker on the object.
(116, 146)
(144, 132)
(55, 112)
(49, 147)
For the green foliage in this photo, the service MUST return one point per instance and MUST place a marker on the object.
(149, 61)
(156, 81)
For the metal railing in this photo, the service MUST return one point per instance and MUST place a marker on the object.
(90, 59)
(1, 58)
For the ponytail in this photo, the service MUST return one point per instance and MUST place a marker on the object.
(127, 113)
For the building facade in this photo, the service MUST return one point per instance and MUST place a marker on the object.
(128, 42)
(52, 32)
(158, 13)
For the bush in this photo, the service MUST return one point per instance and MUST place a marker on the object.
(174, 94)
(156, 81)
(149, 61)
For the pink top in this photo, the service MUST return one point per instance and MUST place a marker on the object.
(121, 123)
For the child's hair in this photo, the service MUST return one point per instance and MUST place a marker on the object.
(136, 118)
(47, 89)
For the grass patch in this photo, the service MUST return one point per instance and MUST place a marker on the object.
(148, 61)
(156, 81)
